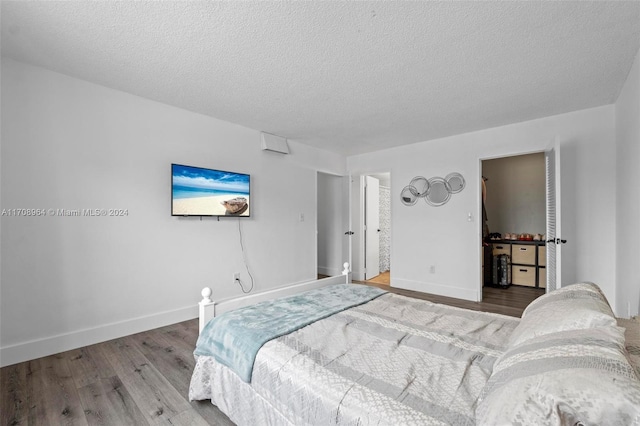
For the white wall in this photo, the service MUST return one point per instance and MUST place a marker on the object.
(71, 281)
(441, 236)
(516, 194)
(628, 200)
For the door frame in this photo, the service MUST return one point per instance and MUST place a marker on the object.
(551, 145)
(371, 230)
(345, 221)
(357, 211)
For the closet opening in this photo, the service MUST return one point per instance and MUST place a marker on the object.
(513, 229)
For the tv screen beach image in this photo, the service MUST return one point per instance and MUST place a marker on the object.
(206, 192)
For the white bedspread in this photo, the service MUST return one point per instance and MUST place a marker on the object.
(392, 361)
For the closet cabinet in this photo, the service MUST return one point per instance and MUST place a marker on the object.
(523, 264)
(528, 260)
(542, 263)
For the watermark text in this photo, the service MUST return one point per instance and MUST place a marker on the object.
(59, 212)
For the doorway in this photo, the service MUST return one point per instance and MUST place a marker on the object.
(514, 225)
(332, 226)
(377, 228)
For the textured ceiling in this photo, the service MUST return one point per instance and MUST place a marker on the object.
(349, 77)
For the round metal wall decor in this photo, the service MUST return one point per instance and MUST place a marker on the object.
(435, 191)
(408, 195)
(439, 192)
(456, 182)
(421, 186)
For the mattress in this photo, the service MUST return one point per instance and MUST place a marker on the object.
(632, 341)
(394, 360)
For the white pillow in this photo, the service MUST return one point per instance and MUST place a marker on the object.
(573, 307)
(574, 377)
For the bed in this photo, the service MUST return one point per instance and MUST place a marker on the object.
(384, 359)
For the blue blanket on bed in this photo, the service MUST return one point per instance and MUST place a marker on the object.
(235, 337)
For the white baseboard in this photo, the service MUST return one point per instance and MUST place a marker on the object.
(38, 348)
(329, 271)
(439, 289)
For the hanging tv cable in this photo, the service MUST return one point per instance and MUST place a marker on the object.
(244, 258)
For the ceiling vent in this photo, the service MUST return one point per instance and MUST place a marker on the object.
(274, 143)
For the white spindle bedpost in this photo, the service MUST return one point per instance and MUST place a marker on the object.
(203, 305)
(345, 271)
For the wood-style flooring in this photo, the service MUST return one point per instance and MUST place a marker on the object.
(383, 278)
(143, 379)
(510, 301)
(507, 301)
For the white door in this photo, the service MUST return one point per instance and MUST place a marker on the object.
(554, 224)
(347, 241)
(331, 221)
(372, 227)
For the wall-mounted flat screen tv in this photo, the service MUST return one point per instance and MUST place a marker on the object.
(196, 191)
